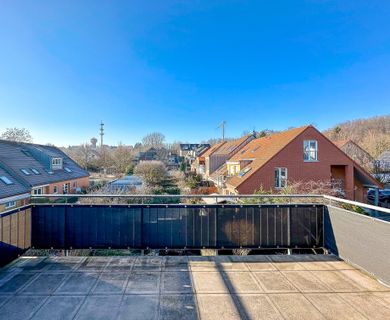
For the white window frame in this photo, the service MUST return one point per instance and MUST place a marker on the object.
(65, 188)
(310, 154)
(10, 204)
(56, 163)
(55, 189)
(37, 191)
(280, 181)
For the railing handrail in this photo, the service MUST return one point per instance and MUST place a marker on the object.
(216, 196)
(359, 204)
(167, 196)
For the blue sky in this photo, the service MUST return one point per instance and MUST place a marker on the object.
(181, 67)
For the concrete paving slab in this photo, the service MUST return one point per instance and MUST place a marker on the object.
(181, 307)
(209, 282)
(332, 307)
(219, 288)
(100, 308)
(364, 280)
(218, 306)
(305, 281)
(368, 304)
(241, 282)
(295, 307)
(179, 263)
(176, 282)
(139, 307)
(251, 258)
(286, 262)
(232, 266)
(111, 283)
(59, 308)
(205, 266)
(337, 281)
(274, 282)
(258, 306)
(260, 266)
(119, 265)
(78, 283)
(383, 296)
(44, 284)
(21, 307)
(93, 264)
(16, 282)
(143, 282)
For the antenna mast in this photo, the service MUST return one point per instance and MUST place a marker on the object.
(222, 126)
(101, 133)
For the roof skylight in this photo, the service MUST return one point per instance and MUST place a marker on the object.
(35, 171)
(244, 171)
(6, 180)
(26, 172)
(68, 170)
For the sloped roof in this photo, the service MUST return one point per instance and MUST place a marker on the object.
(14, 157)
(15, 188)
(213, 148)
(220, 172)
(231, 146)
(261, 150)
(342, 143)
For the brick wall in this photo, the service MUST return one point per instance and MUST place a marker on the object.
(81, 182)
(291, 158)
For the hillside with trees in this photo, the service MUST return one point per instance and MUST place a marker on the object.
(372, 134)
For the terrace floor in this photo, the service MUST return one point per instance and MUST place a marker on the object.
(224, 287)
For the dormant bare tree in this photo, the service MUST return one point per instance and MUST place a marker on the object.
(122, 157)
(152, 172)
(155, 139)
(17, 135)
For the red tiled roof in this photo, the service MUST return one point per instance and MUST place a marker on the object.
(213, 148)
(260, 151)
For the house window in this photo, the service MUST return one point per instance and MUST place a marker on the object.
(55, 189)
(310, 150)
(280, 177)
(65, 188)
(10, 204)
(38, 191)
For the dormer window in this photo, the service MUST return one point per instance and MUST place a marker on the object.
(310, 150)
(56, 163)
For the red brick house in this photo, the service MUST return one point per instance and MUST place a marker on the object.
(301, 154)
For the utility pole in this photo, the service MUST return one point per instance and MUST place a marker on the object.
(222, 126)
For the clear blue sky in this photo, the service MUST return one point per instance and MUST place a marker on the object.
(181, 67)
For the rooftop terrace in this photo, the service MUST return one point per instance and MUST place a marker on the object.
(221, 287)
(349, 283)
